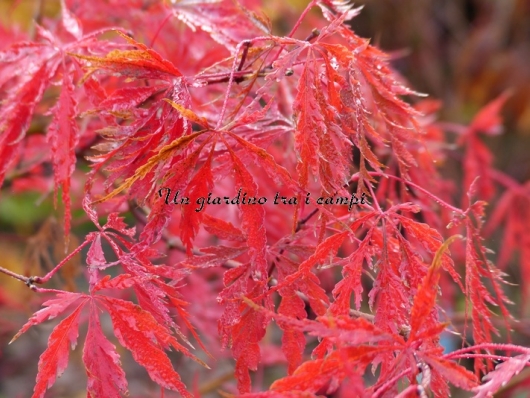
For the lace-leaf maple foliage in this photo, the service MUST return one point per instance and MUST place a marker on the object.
(183, 141)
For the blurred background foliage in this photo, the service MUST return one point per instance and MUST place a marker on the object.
(462, 52)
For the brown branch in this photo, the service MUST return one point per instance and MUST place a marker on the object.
(214, 384)
(12, 274)
(244, 55)
(238, 79)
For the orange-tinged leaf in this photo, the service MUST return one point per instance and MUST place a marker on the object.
(141, 63)
(426, 297)
(313, 375)
(189, 114)
(163, 154)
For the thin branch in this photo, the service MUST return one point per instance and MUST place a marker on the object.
(247, 44)
(32, 280)
(433, 197)
(12, 274)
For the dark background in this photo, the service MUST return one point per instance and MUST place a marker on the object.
(465, 53)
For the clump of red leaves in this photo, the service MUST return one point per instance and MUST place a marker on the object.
(225, 105)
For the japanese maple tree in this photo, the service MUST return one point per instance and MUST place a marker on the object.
(256, 200)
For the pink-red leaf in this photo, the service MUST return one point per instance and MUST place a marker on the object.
(139, 332)
(63, 135)
(54, 359)
(106, 378)
(501, 375)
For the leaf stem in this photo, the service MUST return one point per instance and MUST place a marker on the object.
(488, 346)
(160, 28)
(432, 196)
(246, 43)
(386, 385)
(48, 276)
(302, 16)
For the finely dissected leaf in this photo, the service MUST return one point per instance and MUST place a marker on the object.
(313, 137)
(95, 255)
(237, 319)
(141, 63)
(351, 282)
(163, 154)
(161, 210)
(214, 256)
(266, 161)
(352, 270)
(126, 98)
(426, 297)
(70, 22)
(190, 115)
(431, 240)
(199, 187)
(501, 375)
(17, 113)
(223, 229)
(316, 294)
(218, 19)
(313, 375)
(55, 307)
(340, 330)
(136, 329)
(64, 136)
(121, 282)
(54, 359)
(488, 120)
(452, 372)
(40, 62)
(253, 217)
(324, 252)
(478, 267)
(102, 362)
(293, 341)
(306, 116)
(246, 335)
(139, 332)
